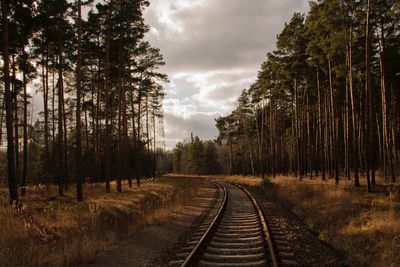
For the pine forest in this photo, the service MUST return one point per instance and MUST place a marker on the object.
(200, 133)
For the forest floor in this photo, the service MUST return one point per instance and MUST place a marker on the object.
(57, 231)
(126, 229)
(365, 227)
(156, 243)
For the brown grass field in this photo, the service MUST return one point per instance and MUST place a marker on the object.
(58, 231)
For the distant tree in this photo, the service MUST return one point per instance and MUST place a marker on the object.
(177, 157)
(211, 158)
(196, 156)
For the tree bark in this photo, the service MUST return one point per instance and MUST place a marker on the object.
(321, 126)
(108, 135)
(79, 193)
(25, 131)
(60, 143)
(12, 183)
(368, 99)
(16, 122)
(335, 155)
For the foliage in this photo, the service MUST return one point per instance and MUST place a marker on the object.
(196, 157)
(100, 66)
(326, 100)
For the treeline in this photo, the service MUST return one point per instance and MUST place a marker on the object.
(100, 88)
(198, 157)
(326, 101)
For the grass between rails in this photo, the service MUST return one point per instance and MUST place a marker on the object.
(58, 231)
(365, 226)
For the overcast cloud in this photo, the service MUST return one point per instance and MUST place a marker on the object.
(213, 49)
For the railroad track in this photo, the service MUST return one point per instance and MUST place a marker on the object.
(234, 233)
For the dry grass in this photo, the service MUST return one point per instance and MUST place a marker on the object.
(58, 231)
(246, 180)
(365, 226)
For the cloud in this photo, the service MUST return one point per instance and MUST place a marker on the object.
(215, 90)
(180, 128)
(215, 34)
(213, 49)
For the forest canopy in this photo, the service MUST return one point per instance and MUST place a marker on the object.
(99, 86)
(326, 100)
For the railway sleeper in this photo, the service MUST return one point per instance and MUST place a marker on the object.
(237, 234)
(239, 222)
(288, 263)
(233, 258)
(225, 251)
(241, 264)
(282, 248)
(244, 217)
(243, 228)
(285, 254)
(236, 244)
(235, 231)
(250, 224)
(186, 249)
(237, 240)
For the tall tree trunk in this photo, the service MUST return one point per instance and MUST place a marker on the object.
(16, 121)
(45, 74)
(25, 130)
(2, 111)
(120, 126)
(79, 193)
(154, 146)
(309, 144)
(259, 141)
(86, 125)
(65, 145)
(125, 138)
(60, 143)
(321, 127)
(296, 131)
(108, 135)
(346, 132)
(368, 99)
(12, 183)
(388, 157)
(356, 158)
(98, 126)
(138, 164)
(133, 115)
(230, 154)
(335, 154)
(147, 127)
(262, 164)
(54, 141)
(134, 134)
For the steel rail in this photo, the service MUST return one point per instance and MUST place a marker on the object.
(196, 250)
(267, 235)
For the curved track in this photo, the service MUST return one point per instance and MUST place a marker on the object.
(234, 233)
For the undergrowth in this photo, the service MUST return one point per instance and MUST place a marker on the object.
(365, 226)
(58, 231)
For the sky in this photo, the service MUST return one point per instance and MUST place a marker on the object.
(213, 50)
